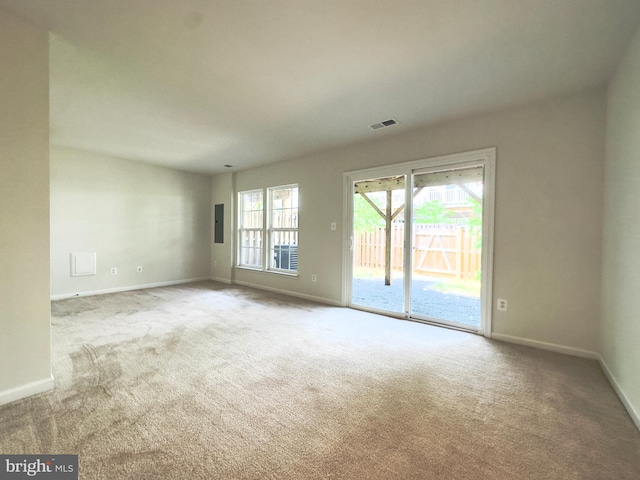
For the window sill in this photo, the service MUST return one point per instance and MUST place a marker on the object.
(271, 272)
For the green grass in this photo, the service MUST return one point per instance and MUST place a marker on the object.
(468, 288)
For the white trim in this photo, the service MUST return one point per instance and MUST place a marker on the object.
(485, 157)
(221, 280)
(633, 413)
(488, 232)
(577, 352)
(347, 239)
(241, 228)
(128, 289)
(27, 390)
(553, 347)
(313, 298)
(233, 228)
(408, 253)
(284, 273)
(470, 156)
(267, 228)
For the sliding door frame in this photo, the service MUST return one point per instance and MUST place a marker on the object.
(485, 157)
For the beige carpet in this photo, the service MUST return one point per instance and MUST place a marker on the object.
(207, 381)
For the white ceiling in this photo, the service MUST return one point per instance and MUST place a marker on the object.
(197, 84)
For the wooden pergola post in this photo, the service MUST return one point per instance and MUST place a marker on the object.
(387, 185)
(459, 177)
(387, 261)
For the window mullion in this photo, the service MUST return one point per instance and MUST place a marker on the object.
(266, 219)
(278, 232)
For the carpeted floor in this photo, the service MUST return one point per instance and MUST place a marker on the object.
(207, 381)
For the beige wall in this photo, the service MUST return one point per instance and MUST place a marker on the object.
(548, 220)
(24, 214)
(131, 214)
(621, 257)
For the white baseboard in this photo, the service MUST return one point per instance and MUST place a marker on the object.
(633, 413)
(23, 391)
(40, 386)
(127, 289)
(291, 294)
(576, 352)
(221, 280)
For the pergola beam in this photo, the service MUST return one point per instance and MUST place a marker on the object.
(379, 185)
(373, 205)
(435, 179)
(459, 177)
(471, 193)
(451, 177)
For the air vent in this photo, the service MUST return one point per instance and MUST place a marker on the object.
(383, 124)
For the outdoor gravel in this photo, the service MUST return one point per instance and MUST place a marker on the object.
(425, 301)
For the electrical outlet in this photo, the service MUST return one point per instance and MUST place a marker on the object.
(114, 271)
(502, 305)
(334, 226)
(314, 278)
(139, 269)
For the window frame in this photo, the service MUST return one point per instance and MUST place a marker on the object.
(272, 230)
(242, 229)
(268, 230)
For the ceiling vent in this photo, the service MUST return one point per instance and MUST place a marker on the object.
(385, 123)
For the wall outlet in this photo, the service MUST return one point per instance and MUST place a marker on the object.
(139, 269)
(502, 305)
(314, 278)
(334, 226)
(114, 271)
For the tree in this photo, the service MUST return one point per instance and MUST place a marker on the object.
(365, 218)
(432, 213)
(475, 223)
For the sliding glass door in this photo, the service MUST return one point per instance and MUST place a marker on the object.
(421, 238)
(447, 246)
(378, 280)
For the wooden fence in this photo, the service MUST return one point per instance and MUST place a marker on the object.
(438, 250)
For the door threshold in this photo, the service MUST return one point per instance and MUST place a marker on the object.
(434, 323)
(403, 316)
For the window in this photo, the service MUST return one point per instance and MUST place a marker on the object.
(283, 228)
(251, 229)
(277, 223)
